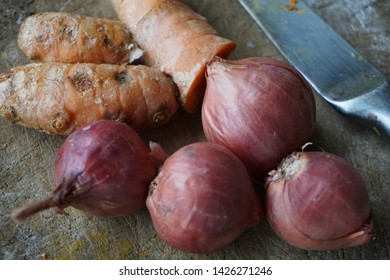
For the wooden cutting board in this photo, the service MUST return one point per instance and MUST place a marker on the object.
(27, 156)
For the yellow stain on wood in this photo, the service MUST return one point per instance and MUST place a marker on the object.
(96, 245)
(111, 249)
(145, 254)
(68, 250)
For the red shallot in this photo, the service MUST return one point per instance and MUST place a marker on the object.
(318, 201)
(203, 199)
(261, 109)
(103, 168)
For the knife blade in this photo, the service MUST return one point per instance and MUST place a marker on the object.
(335, 70)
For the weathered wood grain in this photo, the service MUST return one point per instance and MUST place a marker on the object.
(27, 156)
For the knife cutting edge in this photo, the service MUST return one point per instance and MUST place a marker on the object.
(338, 72)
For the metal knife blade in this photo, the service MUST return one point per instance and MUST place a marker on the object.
(337, 71)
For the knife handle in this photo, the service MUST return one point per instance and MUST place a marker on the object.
(372, 108)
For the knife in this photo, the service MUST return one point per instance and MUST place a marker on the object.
(335, 70)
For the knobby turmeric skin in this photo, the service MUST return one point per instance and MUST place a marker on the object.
(176, 40)
(58, 98)
(72, 38)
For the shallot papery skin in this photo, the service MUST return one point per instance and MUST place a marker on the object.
(261, 109)
(318, 201)
(203, 199)
(103, 168)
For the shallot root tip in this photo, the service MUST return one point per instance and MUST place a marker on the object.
(306, 145)
(287, 168)
(25, 212)
(273, 176)
(152, 186)
(157, 153)
(215, 58)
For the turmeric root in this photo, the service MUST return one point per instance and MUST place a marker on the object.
(58, 98)
(72, 38)
(175, 39)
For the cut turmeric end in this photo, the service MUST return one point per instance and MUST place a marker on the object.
(194, 95)
(177, 40)
(196, 92)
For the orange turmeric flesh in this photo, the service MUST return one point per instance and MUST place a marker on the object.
(175, 39)
(58, 98)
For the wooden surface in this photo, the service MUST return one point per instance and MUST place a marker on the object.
(27, 156)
